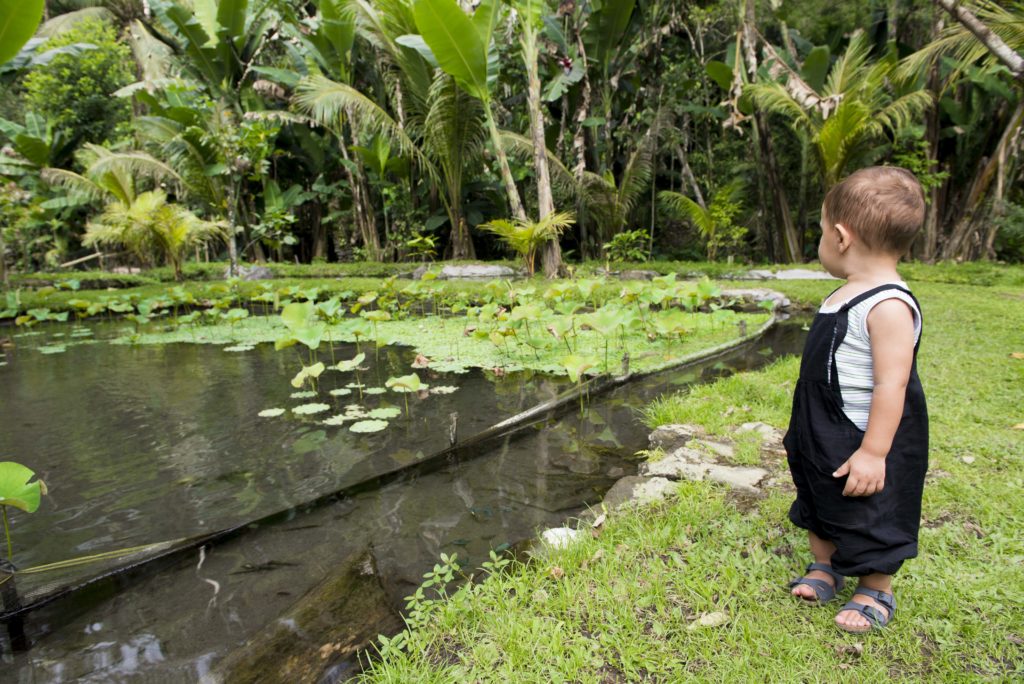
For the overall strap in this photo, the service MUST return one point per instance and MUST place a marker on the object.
(871, 293)
(842, 319)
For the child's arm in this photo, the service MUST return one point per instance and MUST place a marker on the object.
(891, 327)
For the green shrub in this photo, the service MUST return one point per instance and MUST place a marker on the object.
(75, 92)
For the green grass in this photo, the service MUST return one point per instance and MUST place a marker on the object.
(623, 609)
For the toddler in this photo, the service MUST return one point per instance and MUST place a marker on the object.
(857, 443)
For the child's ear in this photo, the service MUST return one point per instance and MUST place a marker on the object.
(845, 236)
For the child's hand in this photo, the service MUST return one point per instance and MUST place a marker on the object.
(866, 471)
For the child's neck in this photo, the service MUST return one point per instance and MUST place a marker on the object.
(872, 270)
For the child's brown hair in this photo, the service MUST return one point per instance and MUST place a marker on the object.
(882, 205)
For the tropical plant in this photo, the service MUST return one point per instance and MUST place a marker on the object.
(149, 225)
(846, 113)
(17, 491)
(629, 245)
(714, 222)
(21, 17)
(527, 237)
(74, 90)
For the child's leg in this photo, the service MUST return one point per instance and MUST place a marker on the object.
(877, 582)
(822, 550)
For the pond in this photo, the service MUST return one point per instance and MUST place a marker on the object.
(144, 444)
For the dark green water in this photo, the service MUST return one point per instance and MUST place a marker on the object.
(145, 444)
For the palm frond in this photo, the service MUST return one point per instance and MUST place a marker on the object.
(775, 99)
(847, 71)
(329, 102)
(74, 183)
(521, 147)
(685, 208)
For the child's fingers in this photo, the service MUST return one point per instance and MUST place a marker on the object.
(843, 470)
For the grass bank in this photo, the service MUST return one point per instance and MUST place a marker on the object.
(626, 605)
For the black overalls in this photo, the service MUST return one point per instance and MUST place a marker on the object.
(874, 533)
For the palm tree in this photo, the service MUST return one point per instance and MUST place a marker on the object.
(150, 225)
(714, 222)
(526, 237)
(852, 111)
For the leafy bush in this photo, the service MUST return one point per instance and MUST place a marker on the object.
(630, 245)
(75, 92)
(1010, 237)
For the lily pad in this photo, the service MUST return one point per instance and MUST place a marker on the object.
(309, 409)
(308, 394)
(15, 488)
(338, 419)
(53, 349)
(369, 426)
(443, 389)
(354, 385)
(271, 413)
(239, 348)
(340, 392)
(375, 390)
(384, 413)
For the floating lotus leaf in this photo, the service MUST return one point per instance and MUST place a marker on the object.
(369, 426)
(308, 409)
(375, 390)
(384, 413)
(406, 383)
(307, 372)
(349, 365)
(443, 389)
(338, 419)
(354, 385)
(53, 349)
(239, 348)
(271, 413)
(308, 394)
(340, 392)
(15, 488)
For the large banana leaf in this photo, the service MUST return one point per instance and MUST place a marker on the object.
(607, 27)
(456, 43)
(18, 21)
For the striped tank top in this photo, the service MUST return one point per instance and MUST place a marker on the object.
(853, 355)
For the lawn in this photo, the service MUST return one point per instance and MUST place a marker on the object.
(627, 604)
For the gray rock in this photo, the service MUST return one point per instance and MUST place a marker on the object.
(477, 271)
(770, 436)
(634, 489)
(250, 273)
(561, 537)
(670, 437)
(638, 275)
(677, 467)
(786, 274)
(757, 295)
(720, 449)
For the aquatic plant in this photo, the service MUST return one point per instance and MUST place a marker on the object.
(309, 409)
(368, 426)
(308, 373)
(271, 413)
(406, 384)
(576, 366)
(16, 491)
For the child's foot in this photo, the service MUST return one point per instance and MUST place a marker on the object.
(818, 585)
(873, 609)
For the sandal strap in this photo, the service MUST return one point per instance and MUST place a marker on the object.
(827, 569)
(822, 589)
(888, 601)
(876, 617)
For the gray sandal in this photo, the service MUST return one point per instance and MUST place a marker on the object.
(875, 617)
(823, 591)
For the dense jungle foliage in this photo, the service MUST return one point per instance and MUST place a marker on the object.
(162, 131)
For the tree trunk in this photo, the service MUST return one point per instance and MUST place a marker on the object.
(780, 205)
(232, 229)
(367, 230)
(962, 242)
(933, 211)
(551, 255)
(996, 45)
(515, 204)
(579, 150)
